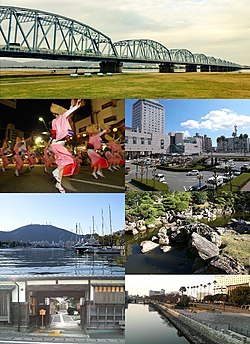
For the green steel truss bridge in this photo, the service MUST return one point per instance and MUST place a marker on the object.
(29, 33)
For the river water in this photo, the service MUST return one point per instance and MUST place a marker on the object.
(41, 261)
(144, 325)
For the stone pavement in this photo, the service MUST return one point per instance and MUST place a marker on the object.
(220, 320)
(57, 336)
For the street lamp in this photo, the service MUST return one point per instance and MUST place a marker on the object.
(42, 120)
(18, 306)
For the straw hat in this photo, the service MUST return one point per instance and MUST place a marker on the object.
(108, 137)
(57, 109)
(92, 129)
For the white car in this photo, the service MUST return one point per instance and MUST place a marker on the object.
(193, 173)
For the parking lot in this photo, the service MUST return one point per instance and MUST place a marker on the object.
(177, 181)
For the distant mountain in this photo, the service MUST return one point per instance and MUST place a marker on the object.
(38, 233)
(12, 63)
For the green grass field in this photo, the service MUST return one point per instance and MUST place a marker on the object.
(129, 85)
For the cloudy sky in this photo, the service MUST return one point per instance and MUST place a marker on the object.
(218, 28)
(213, 117)
(62, 211)
(141, 284)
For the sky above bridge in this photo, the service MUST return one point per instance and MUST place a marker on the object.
(19, 210)
(215, 28)
(213, 117)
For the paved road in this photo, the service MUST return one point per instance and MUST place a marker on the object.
(37, 180)
(177, 181)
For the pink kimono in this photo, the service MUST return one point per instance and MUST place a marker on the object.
(17, 156)
(63, 158)
(5, 160)
(95, 158)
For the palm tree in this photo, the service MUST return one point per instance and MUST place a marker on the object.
(209, 284)
(200, 291)
(188, 290)
(214, 282)
(204, 287)
(182, 290)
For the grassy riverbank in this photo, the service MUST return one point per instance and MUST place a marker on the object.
(129, 85)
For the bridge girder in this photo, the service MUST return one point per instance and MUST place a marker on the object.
(182, 56)
(34, 33)
(142, 49)
(201, 59)
(37, 31)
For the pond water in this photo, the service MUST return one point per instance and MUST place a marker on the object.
(144, 325)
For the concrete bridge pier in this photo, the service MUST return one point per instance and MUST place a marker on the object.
(204, 68)
(110, 67)
(191, 68)
(166, 68)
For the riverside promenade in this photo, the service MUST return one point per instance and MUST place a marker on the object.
(201, 332)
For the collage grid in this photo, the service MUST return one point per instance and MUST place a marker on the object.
(124, 172)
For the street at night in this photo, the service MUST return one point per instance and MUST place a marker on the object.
(37, 180)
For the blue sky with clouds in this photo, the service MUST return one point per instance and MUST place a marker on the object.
(214, 117)
(215, 28)
(62, 210)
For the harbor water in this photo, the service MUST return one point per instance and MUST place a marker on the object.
(41, 261)
(144, 325)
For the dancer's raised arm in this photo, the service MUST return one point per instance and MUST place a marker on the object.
(79, 103)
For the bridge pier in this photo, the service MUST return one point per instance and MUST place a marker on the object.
(204, 68)
(191, 68)
(110, 67)
(166, 68)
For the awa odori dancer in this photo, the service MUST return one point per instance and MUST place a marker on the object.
(47, 157)
(61, 129)
(19, 151)
(5, 152)
(116, 149)
(94, 145)
(31, 157)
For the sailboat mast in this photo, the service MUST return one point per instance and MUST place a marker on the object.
(110, 221)
(102, 228)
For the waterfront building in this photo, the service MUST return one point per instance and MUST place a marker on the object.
(156, 292)
(225, 284)
(148, 116)
(100, 299)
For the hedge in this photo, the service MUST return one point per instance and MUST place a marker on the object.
(181, 169)
(148, 185)
(237, 183)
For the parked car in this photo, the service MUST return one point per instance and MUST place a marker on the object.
(193, 173)
(198, 187)
(159, 177)
(214, 182)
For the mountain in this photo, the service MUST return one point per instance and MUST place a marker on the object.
(38, 233)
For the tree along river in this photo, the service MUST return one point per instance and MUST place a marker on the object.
(21, 261)
(144, 325)
(177, 260)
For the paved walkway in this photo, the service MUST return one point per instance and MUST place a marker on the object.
(220, 320)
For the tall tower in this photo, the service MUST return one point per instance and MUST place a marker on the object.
(148, 116)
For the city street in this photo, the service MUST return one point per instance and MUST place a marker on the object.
(37, 180)
(177, 181)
